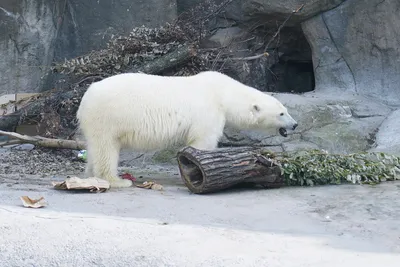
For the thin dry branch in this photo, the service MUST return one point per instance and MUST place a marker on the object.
(265, 54)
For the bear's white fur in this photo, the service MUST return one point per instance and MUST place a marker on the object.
(149, 112)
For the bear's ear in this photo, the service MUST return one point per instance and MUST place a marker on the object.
(256, 108)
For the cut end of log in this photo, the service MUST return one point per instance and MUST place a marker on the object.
(191, 173)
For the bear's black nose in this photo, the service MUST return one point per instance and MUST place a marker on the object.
(295, 126)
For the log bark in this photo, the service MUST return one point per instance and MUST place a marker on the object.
(33, 110)
(212, 171)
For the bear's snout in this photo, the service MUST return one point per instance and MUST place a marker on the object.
(295, 126)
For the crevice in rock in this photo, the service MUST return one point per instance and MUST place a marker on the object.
(358, 116)
(371, 140)
(365, 116)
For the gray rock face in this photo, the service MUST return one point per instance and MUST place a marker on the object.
(34, 33)
(356, 48)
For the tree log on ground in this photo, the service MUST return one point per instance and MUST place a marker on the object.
(40, 104)
(212, 171)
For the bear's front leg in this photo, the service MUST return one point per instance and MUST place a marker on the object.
(104, 161)
(89, 166)
(207, 138)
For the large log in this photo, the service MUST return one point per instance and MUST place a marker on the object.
(211, 171)
(54, 98)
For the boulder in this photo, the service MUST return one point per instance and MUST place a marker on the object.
(338, 124)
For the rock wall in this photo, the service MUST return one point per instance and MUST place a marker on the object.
(330, 45)
(35, 33)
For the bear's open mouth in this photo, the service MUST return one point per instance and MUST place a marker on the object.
(283, 132)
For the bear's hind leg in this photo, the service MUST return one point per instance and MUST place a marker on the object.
(105, 155)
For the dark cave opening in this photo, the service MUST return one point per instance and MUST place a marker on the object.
(293, 70)
(292, 76)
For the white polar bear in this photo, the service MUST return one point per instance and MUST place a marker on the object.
(149, 112)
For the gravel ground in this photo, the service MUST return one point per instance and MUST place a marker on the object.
(42, 162)
(39, 166)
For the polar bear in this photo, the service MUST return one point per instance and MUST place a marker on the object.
(150, 112)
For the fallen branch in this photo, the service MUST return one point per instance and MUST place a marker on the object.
(33, 110)
(42, 141)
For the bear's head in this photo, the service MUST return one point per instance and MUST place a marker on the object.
(269, 113)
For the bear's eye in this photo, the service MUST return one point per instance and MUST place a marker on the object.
(281, 114)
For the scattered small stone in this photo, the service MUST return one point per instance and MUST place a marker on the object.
(40, 161)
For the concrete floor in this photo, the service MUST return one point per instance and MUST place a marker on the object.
(347, 225)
